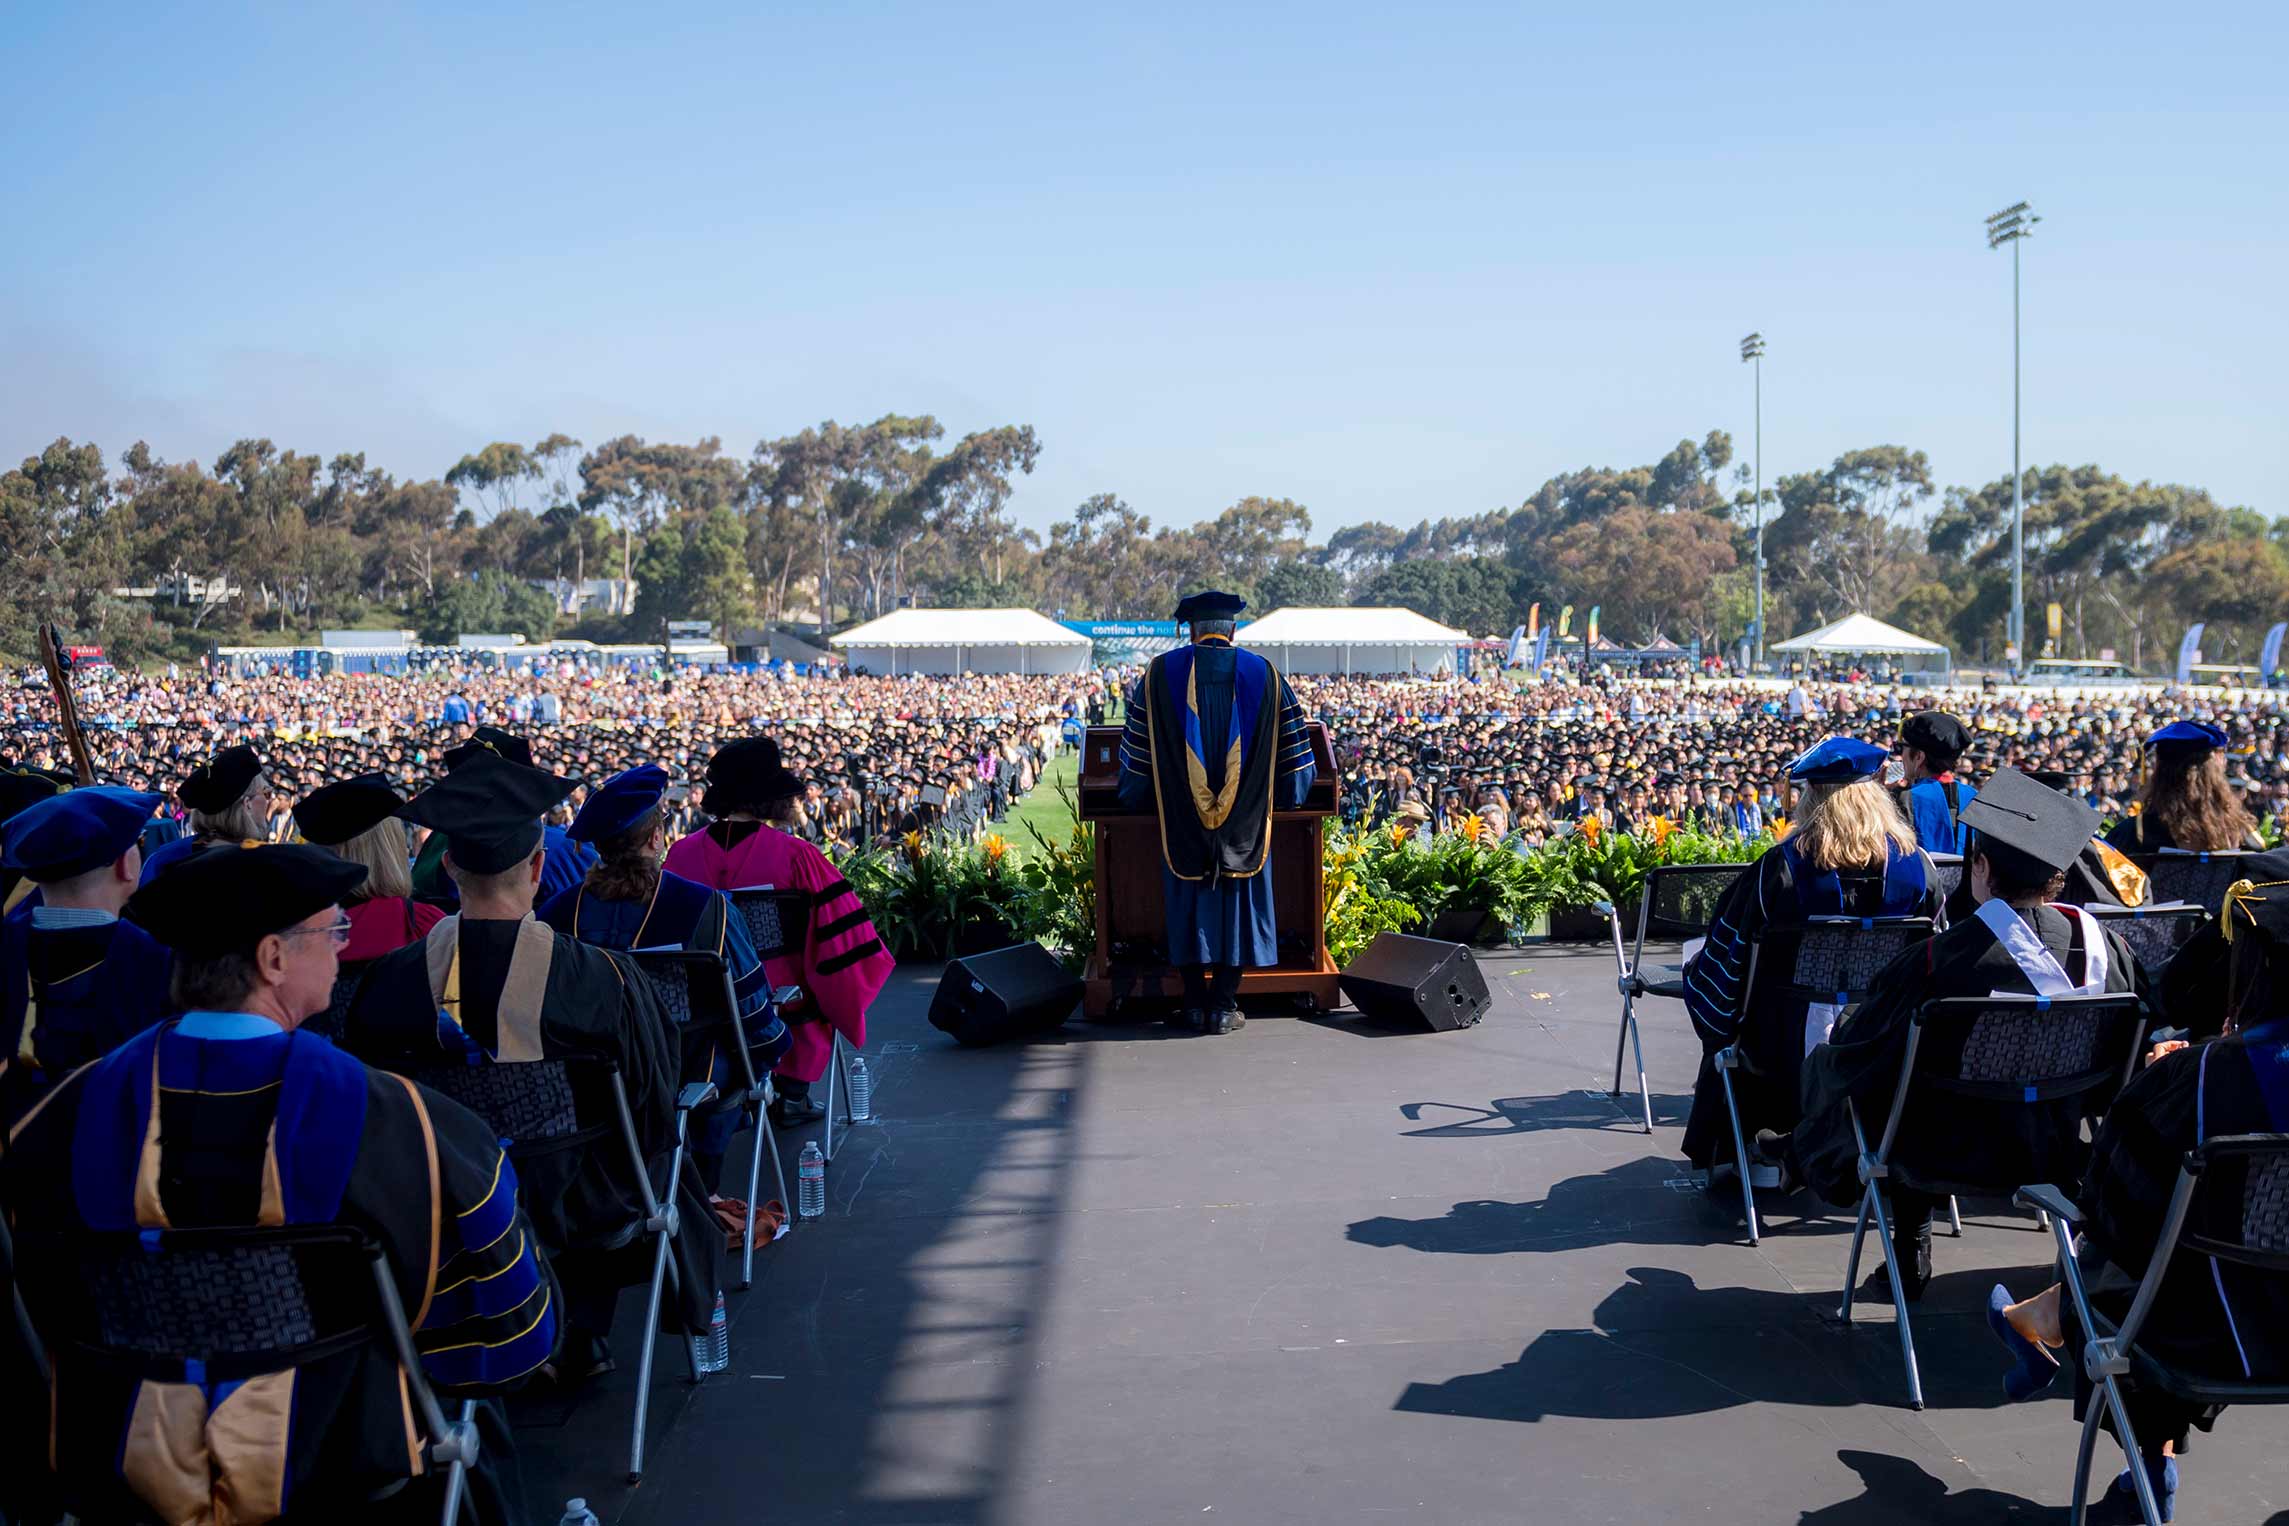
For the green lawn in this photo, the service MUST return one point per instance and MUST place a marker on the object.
(1047, 809)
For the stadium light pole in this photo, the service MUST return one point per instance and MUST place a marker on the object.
(2013, 225)
(1752, 351)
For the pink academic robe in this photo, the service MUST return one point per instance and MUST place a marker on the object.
(843, 963)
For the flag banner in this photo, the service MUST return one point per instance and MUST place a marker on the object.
(2057, 617)
(1565, 620)
(1517, 654)
(1533, 620)
(2189, 652)
(1590, 638)
(2270, 658)
(1542, 648)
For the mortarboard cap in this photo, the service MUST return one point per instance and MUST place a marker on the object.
(1210, 604)
(227, 897)
(619, 803)
(2039, 826)
(334, 813)
(1837, 760)
(2186, 738)
(489, 808)
(490, 739)
(2260, 902)
(1935, 732)
(216, 785)
(74, 832)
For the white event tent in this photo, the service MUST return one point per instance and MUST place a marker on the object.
(964, 641)
(1865, 635)
(1347, 641)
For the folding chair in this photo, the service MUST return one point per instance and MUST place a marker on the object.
(1997, 1050)
(228, 1305)
(1830, 959)
(2199, 879)
(2154, 933)
(541, 1107)
(2231, 1204)
(697, 990)
(780, 923)
(1679, 902)
(1950, 868)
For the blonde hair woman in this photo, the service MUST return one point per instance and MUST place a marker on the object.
(225, 799)
(1849, 852)
(356, 819)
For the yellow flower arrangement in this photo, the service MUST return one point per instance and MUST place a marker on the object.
(1663, 829)
(1590, 829)
(996, 846)
(1472, 827)
(912, 842)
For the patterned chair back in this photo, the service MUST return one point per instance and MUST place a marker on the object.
(1950, 870)
(2240, 1208)
(778, 920)
(695, 991)
(1681, 899)
(2028, 1050)
(2199, 879)
(328, 1024)
(533, 1105)
(1839, 957)
(2153, 934)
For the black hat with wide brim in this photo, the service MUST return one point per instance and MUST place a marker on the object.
(751, 769)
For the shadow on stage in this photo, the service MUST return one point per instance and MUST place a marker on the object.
(1504, 1116)
(1649, 1201)
(1664, 1347)
(1896, 1491)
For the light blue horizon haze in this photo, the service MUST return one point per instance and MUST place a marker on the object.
(1393, 262)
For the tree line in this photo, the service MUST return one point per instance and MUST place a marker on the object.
(852, 520)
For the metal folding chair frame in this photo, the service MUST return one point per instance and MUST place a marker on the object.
(754, 1089)
(1628, 968)
(1728, 1059)
(664, 1224)
(1875, 1167)
(838, 1065)
(2107, 1348)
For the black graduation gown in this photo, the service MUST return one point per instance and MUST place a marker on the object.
(1771, 1036)
(277, 1129)
(69, 995)
(2210, 1317)
(591, 1004)
(1861, 1062)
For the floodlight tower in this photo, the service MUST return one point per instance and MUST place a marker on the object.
(1752, 352)
(2013, 225)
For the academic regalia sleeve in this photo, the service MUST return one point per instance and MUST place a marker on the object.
(1715, 980)
(844, 962)
(1292, 778)
(1136, 789)
(2134, 1160)
(2192, 993)
(492, 1314)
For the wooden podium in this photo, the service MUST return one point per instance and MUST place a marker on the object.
(1131, 959)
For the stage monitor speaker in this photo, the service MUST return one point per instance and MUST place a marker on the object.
(1011, 993)
(1399, 979)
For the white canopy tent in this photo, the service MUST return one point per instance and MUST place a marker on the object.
(1347, 641)
(943, 641)
(1865, 635)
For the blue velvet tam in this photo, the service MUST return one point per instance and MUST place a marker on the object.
(2186, 737)
(619, 803)
(74, 832)
(1838, 760)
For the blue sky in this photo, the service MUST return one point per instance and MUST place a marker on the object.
(1392, 261)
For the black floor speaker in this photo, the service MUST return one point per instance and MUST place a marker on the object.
(1399, 979)
(1011, 993)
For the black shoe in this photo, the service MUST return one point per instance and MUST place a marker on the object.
(1911, 1252)
(584, 1359)
(795, 1112)
(1777, 1149)
(1227, 1021)
(1187, 1017)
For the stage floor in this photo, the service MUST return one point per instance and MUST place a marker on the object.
(1320, 1272)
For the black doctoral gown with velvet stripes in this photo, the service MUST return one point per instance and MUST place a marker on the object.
(273, 1128)
(565, 998)
(1959, 1138)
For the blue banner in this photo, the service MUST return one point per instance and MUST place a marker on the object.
(1100, 630)
(2270, 658)
(2189, 652)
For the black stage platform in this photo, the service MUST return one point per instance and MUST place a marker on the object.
(1318, 1272)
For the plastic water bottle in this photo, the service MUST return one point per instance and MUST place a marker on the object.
(712, 1352)
(861, 1091)
(577, 1513)
(811, 1181)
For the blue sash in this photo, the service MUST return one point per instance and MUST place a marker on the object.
(314, 1142)
(1820, 892)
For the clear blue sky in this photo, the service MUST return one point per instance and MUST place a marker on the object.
(1392, 261)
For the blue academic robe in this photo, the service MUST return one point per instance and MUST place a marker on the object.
(99, 986)
(1225, 921)
(173, 853)
(1936, 830)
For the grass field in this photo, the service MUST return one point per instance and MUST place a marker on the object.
(1045, 808)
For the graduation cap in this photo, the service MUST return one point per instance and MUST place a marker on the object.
(2031, 825)
(1210, 604)
(619, 803)
(227, 897)
(21, 788)
(2186, 740)
(216, 785)
(75, 831)
(490, 808)
(335, 813)
(1935, 732)
(1837, 760)
(490, 739)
